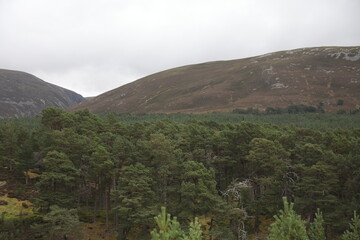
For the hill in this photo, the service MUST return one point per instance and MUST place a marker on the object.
(22, 94)
(326, 76)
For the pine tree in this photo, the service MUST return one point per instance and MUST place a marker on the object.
(134, 200)
(57, 182)
(316, 231)
(198, 190)
(354, 232)
(194, 231)
(169, 229)
(288, 225)
(59, 223)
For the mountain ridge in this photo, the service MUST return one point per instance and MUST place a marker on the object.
(319, 76)
(23, 94)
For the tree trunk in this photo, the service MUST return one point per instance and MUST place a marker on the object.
(94, 210)
(210, 228)
(106, 209)
(26, 178)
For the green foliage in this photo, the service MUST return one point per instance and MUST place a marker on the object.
(185, 162)
(300, 108)
(194, 231)
(55, 118)
(198, 190)
(60, 223)
(315, 121)
(134, 200)
(316, 231)
(340, 102)
(169, 229)
(57, 181)
(287, 225)
(13, 139)
(354, 232)
(162, 156)
(16, 227)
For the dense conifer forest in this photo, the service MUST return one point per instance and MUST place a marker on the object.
(217, 176)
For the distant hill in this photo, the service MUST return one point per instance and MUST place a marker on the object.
(326, 76)
(22, 94)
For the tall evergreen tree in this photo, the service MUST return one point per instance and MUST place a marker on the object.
(134, 198)
(60, 224)
(198, 190)
(10, 145)
(57, 181)
(267, 165)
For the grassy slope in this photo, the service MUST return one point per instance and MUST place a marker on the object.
(14, 207)
(302, 76)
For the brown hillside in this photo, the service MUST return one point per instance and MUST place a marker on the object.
(307, 76)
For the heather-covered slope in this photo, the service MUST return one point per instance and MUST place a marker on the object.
(310, 76)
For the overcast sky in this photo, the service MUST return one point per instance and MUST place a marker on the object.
(92, 46)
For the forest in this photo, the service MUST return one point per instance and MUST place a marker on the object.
(181, 177)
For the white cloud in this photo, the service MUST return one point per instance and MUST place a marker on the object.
(91, 46)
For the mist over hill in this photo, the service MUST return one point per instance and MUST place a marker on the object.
(324, 76)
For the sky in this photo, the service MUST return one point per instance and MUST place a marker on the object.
(93, 46)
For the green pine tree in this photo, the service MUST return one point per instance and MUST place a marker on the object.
(57, 182)
(198, 190)
(169, 229)
(194, 231)
(354, 232)
(59, 223)
(288, 225)
(316, 231)
(134, 200)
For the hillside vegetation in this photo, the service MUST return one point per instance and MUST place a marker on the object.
(309, 120)
(325, 77)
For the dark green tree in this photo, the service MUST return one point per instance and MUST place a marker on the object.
(57, 183)
(60, 224)
(198, 190)
(134, 198)
(163, 158)
(56, 118)
(267, 166)
(10, 145)
(102, 172)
